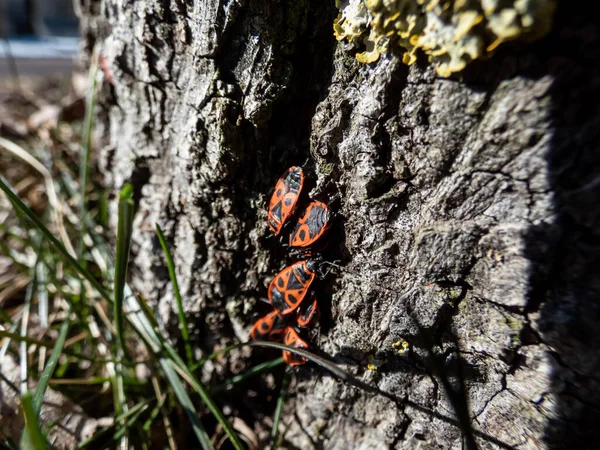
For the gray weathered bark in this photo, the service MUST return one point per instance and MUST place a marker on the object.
(468, 211)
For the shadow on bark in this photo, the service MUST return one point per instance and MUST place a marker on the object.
(448, 368)
(563, 309)
(565, 255)
(564, 251)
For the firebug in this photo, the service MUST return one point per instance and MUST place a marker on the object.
(309, 315)
(292, 339)
(284, 198)
(311, 225)
(289, 287)
(268, 328)
(104, 65)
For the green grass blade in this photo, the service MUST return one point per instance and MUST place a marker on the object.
(22, 208)
(158, 345)
(323, 362)
(185, 335)
(84, 166)
(147, 311)
(42, 294)
(38, 396)
(14, 336)
(23, 360)
(154, 413)
(10, 445)
(214, 355)
(119, 400)
(250, 373)
(33, 437)
(201, 390)
(124, 230)
(186, 403)
(279, 409)
(133, 411)
(142, 326)
(9, 335)
(4, 317)
(134, 414)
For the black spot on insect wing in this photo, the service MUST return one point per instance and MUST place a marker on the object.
(277, 300)
(292, 300)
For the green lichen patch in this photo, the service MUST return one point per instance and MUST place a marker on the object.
(452, 33)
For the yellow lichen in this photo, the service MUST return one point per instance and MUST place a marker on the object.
(370, 55)
(372, 364)
(451, 33)
(401, 345)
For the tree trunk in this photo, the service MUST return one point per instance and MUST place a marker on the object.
(467, 214)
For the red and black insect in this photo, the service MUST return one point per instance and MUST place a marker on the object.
(289, 287)
(292, 339)
(311, 226)
(309, 315)
(268, 328)
(272, 328)
(285, 197)
(104, 66)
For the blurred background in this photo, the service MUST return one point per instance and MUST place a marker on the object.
(39, 37)
(38, 64)
(46, 149)
(42, 106)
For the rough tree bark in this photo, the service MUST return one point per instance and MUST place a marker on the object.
(467, 211)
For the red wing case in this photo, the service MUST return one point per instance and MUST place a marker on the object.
(268, 328)
(289, 287)
(284, 198)
(292, 339)
(311, 226)
(309, 315)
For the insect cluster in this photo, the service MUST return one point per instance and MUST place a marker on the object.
(294, 303)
